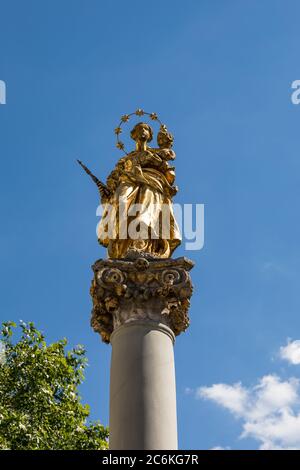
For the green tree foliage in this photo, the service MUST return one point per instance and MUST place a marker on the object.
(40, 406)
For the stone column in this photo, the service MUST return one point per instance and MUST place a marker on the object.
(139, 306)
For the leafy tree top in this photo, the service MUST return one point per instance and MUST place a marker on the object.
(40, 406)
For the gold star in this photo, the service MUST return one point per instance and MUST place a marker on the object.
(153, 116)
(120, 145)
(118, 130)
(139, 112)
(125, 118)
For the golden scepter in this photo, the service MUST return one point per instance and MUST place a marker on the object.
(103, 189)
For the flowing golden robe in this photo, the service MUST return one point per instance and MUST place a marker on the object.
(140, 208)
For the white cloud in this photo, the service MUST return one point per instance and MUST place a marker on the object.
(291, 352)
(269, 411)
(220, 448)
(232, 397)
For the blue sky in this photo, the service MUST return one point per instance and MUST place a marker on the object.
(219, 74)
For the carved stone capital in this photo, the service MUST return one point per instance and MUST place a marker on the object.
(140, 289)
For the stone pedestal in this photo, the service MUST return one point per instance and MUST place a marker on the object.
(139, 306)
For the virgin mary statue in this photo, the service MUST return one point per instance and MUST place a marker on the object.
(138, 215)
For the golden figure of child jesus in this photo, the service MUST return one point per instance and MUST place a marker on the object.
(137, 199)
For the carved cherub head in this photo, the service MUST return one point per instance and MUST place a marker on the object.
(164, 138)
(142, 133)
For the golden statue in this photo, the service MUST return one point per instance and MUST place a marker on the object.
(137, 198)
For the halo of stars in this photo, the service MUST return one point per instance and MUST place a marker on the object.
(125, 118)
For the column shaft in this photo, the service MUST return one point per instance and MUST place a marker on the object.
(142, 387)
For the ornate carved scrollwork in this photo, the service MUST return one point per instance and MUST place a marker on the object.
(128, 290)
